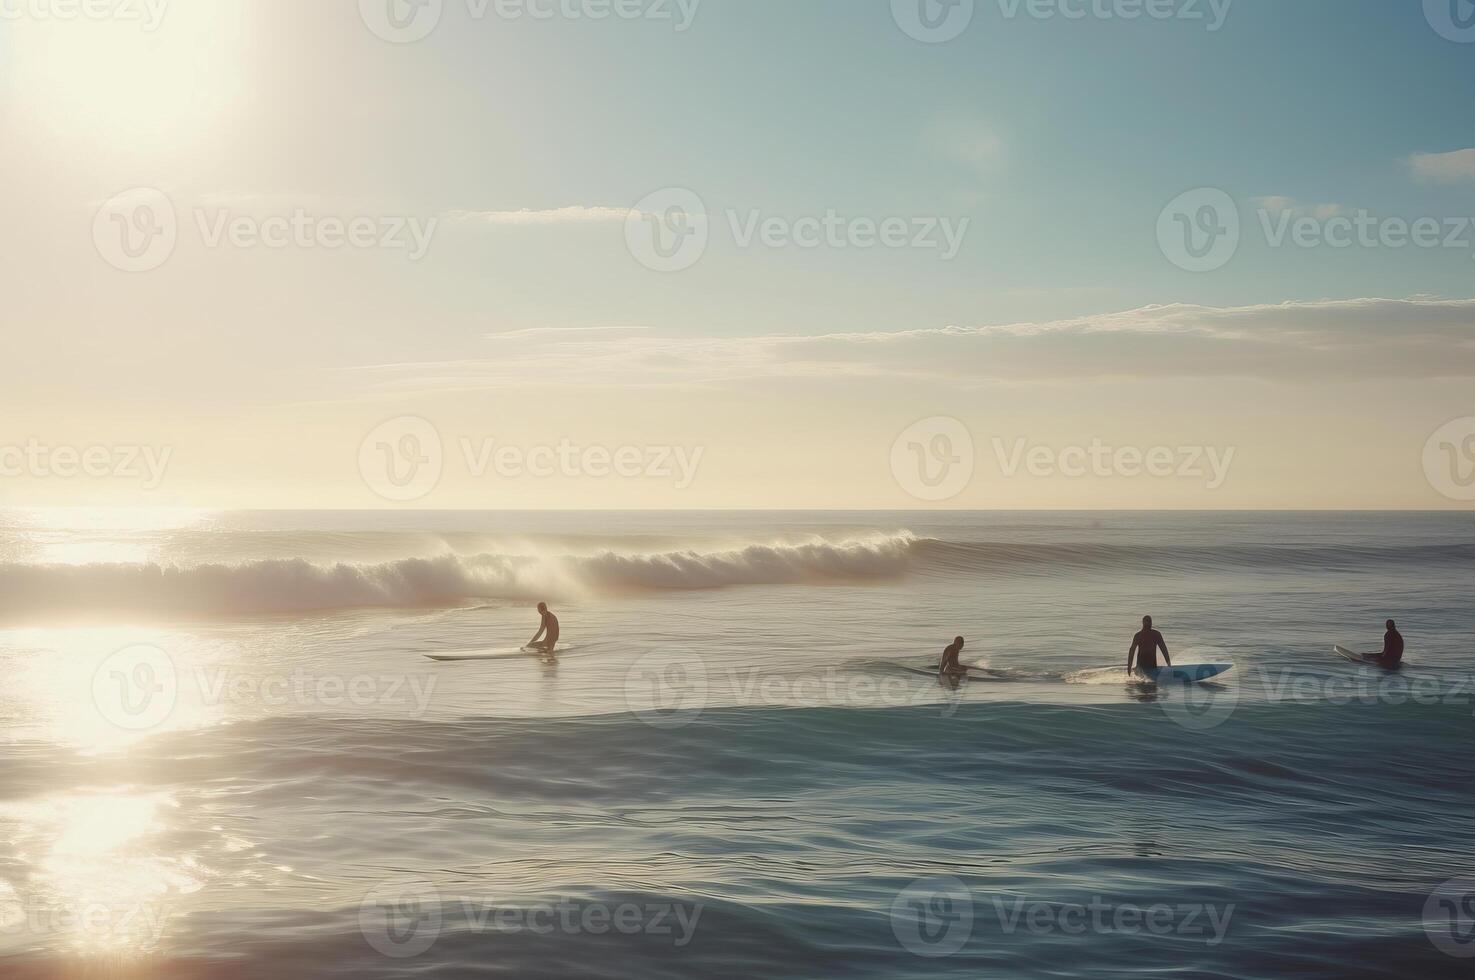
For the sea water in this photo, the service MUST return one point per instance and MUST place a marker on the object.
(226, 755)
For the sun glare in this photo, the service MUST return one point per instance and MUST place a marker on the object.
(115, 82)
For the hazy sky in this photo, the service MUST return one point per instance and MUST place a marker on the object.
(761, 253)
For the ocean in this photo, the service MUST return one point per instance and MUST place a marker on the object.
(226, 753)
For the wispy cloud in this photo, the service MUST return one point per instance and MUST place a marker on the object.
(1292, 342)
(1445, 167)
(1279, 203)
(573, 215)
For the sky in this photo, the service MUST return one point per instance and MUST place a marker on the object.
(738, 253)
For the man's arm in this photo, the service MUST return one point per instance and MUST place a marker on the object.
(1131, 652)
(1162, 645)
(538, 635)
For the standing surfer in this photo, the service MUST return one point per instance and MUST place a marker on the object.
(1145, 646)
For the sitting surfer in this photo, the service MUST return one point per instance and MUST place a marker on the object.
(1145, 646)
(950, 664)
(1392, 656)
(547, 631)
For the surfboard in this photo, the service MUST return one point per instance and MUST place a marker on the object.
(1185, 673)
(510, 653)
(1359, 658)
(931, 670)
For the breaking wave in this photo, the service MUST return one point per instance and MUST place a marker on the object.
(297, 585)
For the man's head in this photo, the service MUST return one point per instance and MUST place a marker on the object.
(1147, 622)
(957, 641)
(1390, 625)
(542, 607)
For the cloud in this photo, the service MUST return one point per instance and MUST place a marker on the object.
(975, 145)
(1327, 341)
(1278, 203)
(1445, 167)
(574, 215)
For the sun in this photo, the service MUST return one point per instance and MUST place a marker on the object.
(146, 83)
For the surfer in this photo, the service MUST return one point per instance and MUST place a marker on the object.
(1145, 646)
(950, 653)
(549, 626)
(1392, 656)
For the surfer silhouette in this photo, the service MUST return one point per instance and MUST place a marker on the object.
(547, 631)
(950, 653)
(1145, 646)
(1392, 655)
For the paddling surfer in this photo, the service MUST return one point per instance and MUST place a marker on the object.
(950, 653)
(1145, 646)
(549, 626)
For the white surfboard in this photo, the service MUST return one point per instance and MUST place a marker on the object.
(1372, 659)
(1185, 673)
(508, 653)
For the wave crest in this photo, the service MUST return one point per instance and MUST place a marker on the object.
(297, 585)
